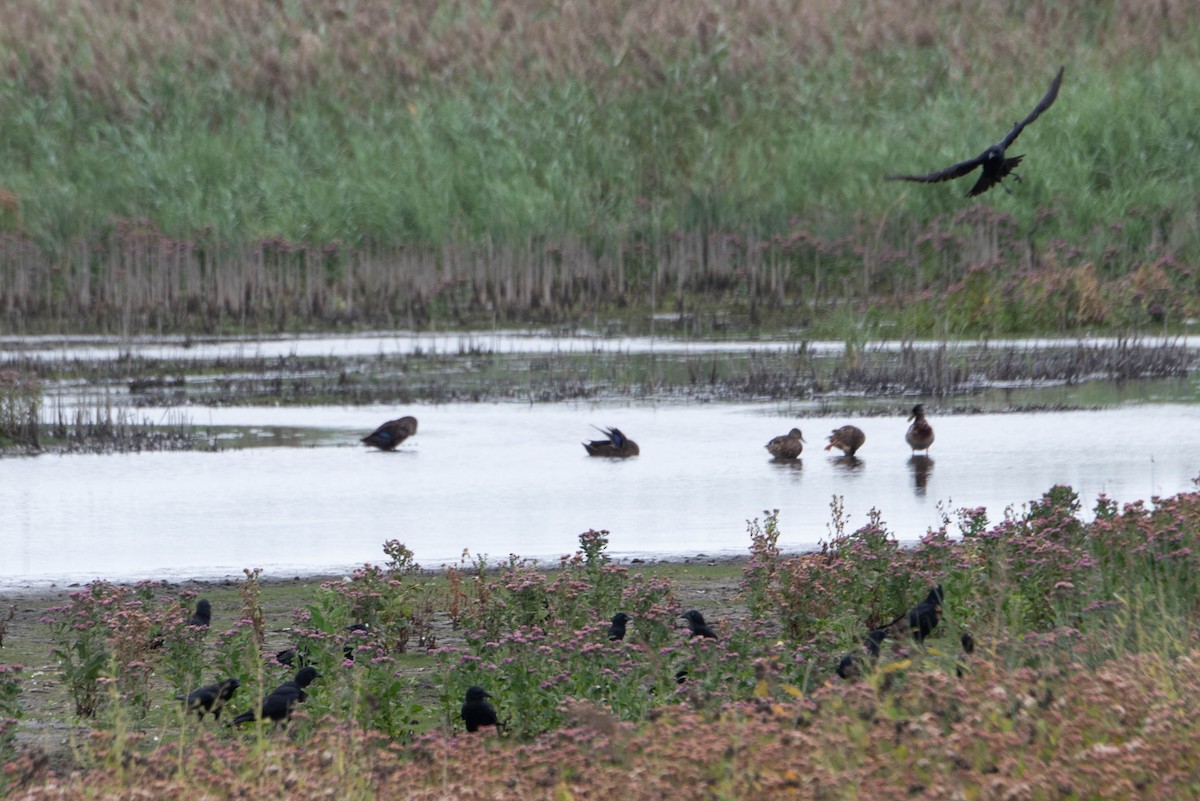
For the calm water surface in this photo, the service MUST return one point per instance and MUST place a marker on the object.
(497, 479)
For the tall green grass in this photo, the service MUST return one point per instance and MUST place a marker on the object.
(486, 126)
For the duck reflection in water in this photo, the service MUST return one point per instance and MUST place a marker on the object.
(921, 466)
(847, 463)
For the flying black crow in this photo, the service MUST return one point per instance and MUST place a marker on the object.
(210, 698)
(616, 631)
(280, 702)
(476, 711)
(996, 165)
(697, 625)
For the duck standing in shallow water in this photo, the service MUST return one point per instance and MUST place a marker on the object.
(392, 433)
(847, 438)
(617, 445)
(788, 446)
(920, 433)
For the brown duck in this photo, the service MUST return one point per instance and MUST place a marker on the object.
(787, 446)
(920, 433)
(848, 439)
(392, 433)
(617, 445)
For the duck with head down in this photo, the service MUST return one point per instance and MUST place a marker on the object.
(787, 446)
(847, 439)
(392, 433)
(617, 445)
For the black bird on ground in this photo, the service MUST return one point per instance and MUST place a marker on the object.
(968, 646)
(203, 614)
(616, 631)
(210, 698)
(476, 711)
(348, 648)
(921, 620)
(280, 702)
(392, 433)
(924, 617)
(617, 445)
(289, 656)
(850, 667)
(996, 165)
(697, 625)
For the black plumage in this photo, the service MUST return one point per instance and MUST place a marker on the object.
(301, 656)
(697, 625)
(616, 630)
(203, 614)
(994, 161)
(280, 702)
(918, 623)
(924, 617)
(476, 711)
(210, 698)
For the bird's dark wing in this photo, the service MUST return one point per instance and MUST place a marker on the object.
(1046, 102)
(990, 176)
(948, 174)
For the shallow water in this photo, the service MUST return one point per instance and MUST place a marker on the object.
(176, 348)
(506, 478)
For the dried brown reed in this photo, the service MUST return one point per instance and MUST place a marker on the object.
(369, 51)
(98, 425)
(957, 277)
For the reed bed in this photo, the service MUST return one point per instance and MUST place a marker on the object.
(98, 424)
(306, 164)
(140, 281)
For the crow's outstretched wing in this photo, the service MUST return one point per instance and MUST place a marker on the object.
(954, 171)
(1046, 102)
(993, 174)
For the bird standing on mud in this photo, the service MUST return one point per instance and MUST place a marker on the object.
(920, 434)
(848, 439)
(391, 433)
(617, 445)
(923, 618)
(616, 630)
(787, 446)
(279, 703)
(698, 626)
(210, 698)
(203, 614)
(996, 165)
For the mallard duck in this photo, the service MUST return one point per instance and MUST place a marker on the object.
(920, 433)
(847, 438)
(392, 433)
(617, 445)
(787, 446)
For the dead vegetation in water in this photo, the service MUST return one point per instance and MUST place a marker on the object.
(99, 425)
(944, 371)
